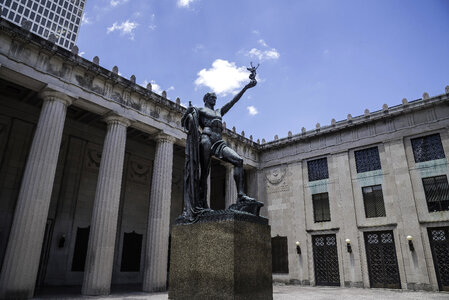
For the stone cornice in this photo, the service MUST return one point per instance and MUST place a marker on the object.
(386, 113)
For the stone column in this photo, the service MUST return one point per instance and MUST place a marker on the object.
(231, 189)
(100, 254)
(156, 255)
(251, 183)
(21, 262)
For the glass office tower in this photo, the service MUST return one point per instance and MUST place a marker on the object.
(60, 17)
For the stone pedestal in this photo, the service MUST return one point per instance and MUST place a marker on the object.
(225, 255)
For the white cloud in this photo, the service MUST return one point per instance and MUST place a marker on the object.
(262, 42)
(198, 48)
(184, 3)
(156, 87)
(85, 20)
(152, 25)
(125, 28)
(81, 53)
(264, 54)
(224, 77)
(256, 32)
(114, 3)
(252, 110)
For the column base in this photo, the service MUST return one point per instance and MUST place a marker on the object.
(224, 256)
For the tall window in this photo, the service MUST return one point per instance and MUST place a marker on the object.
(317, 169)
(437, 193)
(367, 160)
(427, 148)
(373, 201)
(321, 212)
(279, 254)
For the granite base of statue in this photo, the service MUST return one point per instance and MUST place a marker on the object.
(224, 254)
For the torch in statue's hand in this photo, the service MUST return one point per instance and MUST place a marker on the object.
(252, 76)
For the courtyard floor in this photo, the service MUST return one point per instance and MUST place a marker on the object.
(280, 292)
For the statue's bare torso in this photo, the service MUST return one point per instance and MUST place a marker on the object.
(211, 123)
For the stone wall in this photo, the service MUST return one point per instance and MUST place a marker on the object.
(289, 193)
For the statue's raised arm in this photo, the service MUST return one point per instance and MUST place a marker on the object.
(237, 97)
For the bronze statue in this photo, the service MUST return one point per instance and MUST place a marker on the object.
(202, 145)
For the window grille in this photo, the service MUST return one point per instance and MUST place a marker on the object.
(373, 201)
(436, 190)
(427, 148)
(367, 160)
(321, 212)
(317, 169)
(279, 254)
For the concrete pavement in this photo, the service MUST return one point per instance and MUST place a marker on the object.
(280, 292)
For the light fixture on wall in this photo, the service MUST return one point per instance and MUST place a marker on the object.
(298, 249)
(348, 245)
(410, 243)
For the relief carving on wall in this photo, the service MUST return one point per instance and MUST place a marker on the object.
(276, 180)
(155, 112)
(93, 159)
(139, 172)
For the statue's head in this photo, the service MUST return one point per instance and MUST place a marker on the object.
(210, 98)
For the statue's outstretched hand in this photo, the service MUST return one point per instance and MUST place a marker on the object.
(251, 84)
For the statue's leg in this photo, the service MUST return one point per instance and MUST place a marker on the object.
(229, 155)
(205, 154)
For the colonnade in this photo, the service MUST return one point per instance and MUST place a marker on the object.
(21, 262)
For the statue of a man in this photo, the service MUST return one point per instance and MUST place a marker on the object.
(201, 146)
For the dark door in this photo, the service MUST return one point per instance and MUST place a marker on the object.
(439, 242)
(382, 261)
(325, 259)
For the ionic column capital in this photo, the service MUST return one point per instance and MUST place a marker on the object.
(116, 119)
(52, 95)
(162, 137)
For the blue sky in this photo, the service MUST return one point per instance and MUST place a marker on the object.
(318, 59)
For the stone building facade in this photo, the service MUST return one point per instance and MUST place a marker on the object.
(91, 169)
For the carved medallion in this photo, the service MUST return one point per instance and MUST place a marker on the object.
(139, 172)
(276, 180)
(93, 159)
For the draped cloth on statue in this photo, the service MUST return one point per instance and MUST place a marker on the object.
(194, 205)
